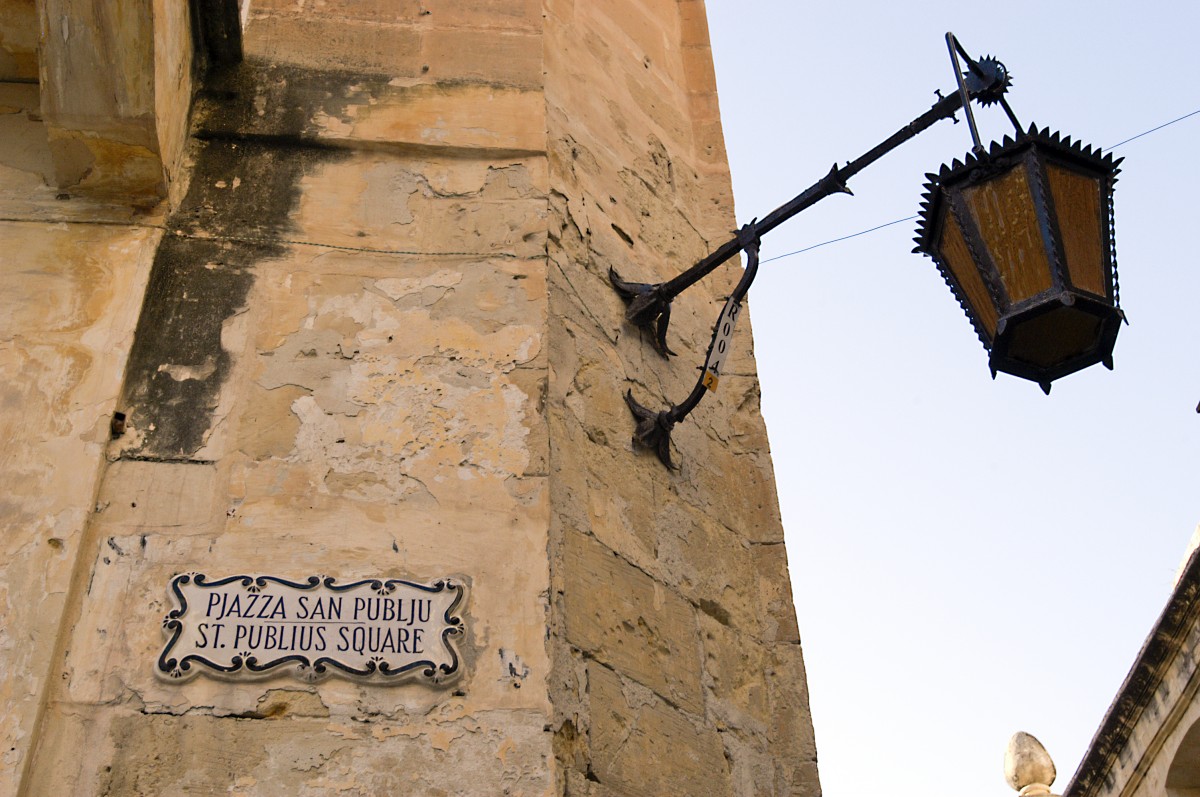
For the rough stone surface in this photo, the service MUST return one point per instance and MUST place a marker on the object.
(631, 730)
(683, 631)
(370, 333)
(1026, 762)
(18, 40)
(116, 90)
(1149, 740)
(65, 329)
(620, 616)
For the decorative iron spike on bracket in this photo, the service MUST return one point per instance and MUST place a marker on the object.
(986, 80)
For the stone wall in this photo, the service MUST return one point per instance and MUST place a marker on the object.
(73, 274)
(337, 370)
(677, 658)
(1148, 744)
(18, 41)
(366, 331)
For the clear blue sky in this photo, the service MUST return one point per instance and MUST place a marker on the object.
(969, 558)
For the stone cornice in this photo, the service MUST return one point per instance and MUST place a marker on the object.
(1098, 771)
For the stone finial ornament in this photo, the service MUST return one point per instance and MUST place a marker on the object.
(1028, 768)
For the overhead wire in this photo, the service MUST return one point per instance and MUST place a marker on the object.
(910, 218)
(843, 238)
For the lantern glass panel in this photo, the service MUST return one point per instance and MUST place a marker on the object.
(1077, 203)
(954, 253)
(1006, 216)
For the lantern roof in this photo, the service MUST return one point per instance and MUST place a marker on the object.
(1051, 141)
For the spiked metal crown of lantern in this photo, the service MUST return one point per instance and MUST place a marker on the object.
(1022, 233)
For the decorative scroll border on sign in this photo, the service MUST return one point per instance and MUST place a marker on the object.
(437, 667)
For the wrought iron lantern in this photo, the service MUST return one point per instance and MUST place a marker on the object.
(1023, 235)
(1022, 232)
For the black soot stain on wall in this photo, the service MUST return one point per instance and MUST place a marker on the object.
(253, 135)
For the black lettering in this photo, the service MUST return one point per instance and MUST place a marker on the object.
(202, 628)
(416, 648)
(344, 645)
(423, 608)
(305, 634)
(213, 600)
(321, 638)
(303, 613)
(387, 642)
(254, 637)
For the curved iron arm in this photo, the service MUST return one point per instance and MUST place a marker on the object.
(653, 429)
(648, 305)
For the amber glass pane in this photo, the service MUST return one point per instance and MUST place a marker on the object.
(953, 249)
(1004, 212)
(1077, 203)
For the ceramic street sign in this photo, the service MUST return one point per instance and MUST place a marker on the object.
(380, 630)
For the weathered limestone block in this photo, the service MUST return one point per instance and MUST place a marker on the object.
(639, 184)
(379, 340)
(28, 189)
(625, 619)
(498, 14)
(490, 43)
(793, 745)
(352, 386)
(391, 380)
(711, 565)
(736, 665)
(503, 653)
(174, 69)
(65, 330)
(640, 744)
(25, 162)
(138, 496)
(339, 106)
(18, 40)
(776, 606)
(116, 90)
(438, 208)
(290, 746)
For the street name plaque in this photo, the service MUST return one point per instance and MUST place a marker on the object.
(378, 630)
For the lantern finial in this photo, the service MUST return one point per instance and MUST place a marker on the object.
(1028, 768)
